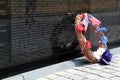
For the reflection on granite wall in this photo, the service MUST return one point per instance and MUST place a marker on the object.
(40, 28)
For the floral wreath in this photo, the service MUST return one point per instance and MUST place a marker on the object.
(82, 22)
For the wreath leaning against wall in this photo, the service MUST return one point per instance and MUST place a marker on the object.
(82, 22)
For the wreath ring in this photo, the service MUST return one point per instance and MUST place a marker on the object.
(82, 22)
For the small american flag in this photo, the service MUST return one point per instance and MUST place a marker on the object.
(85, 21)
(94, 20)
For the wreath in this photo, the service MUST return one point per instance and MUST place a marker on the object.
(82, 22)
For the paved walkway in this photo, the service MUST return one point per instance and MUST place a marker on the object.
(89, 71)
(76, 69)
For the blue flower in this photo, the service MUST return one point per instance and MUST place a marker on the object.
(89, 24)
(104, 40)
(101, 29)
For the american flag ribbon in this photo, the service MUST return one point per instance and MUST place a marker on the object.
(89, 19)
(93, 20)
(85, 21)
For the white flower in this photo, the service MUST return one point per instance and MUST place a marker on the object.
(97, 54)
(101, 50)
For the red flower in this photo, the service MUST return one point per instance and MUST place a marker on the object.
(80, 28)
(88, 44)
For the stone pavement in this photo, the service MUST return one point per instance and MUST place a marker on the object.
(75, 69)
(88, 71)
